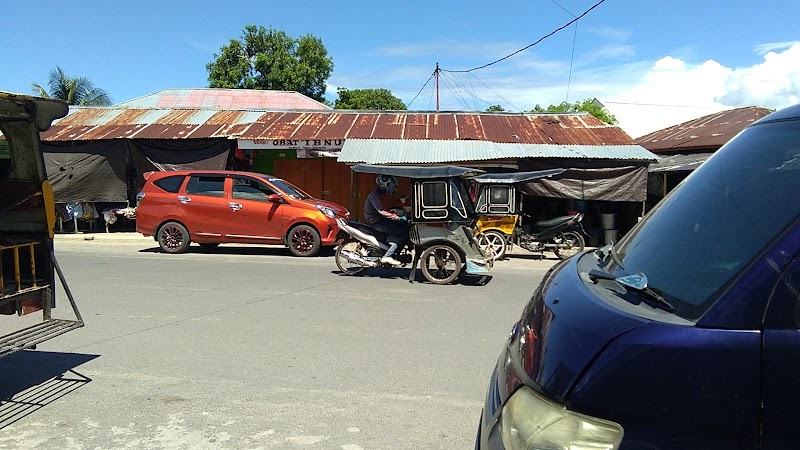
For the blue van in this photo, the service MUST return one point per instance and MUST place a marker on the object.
(685, 334)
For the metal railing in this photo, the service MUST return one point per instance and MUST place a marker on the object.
(20, 287)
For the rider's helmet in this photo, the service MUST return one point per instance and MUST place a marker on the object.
(386, 182)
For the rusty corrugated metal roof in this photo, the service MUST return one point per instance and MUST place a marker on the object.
(704, 133)
(85, 124)
(225, 98)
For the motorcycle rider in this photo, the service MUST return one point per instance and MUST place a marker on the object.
(383, 220)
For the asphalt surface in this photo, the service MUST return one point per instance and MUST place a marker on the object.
(250, 348)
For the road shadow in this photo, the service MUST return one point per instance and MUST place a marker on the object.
(529, 256)
(34, 379)
(243, 250)
(404, 274)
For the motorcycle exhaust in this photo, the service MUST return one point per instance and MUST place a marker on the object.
(358, 259)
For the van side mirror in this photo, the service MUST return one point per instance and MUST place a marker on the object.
(275, 198)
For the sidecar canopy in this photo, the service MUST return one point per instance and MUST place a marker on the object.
(516, 177)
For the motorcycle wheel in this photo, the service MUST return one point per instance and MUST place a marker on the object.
(346, 266)
(493, 244)
(574, 244)
(440, 264)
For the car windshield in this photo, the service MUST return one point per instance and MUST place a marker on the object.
(719, 219)
(290, 189)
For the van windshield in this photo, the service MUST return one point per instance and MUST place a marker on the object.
(719, 219)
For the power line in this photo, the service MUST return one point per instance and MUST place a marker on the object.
(572, 56)
(495, 93)
(456, 93)
(530, 45)
(420, 90)
(469, 92)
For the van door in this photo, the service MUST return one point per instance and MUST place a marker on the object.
(205, 207)
(781, 396)
(257, 219)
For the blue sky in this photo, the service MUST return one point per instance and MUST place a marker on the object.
(653, 63)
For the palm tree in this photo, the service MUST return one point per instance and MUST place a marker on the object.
(75, 91)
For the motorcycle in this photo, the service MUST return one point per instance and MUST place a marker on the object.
(441, 241)
(561, 235)
(499, 225)
(363, 248)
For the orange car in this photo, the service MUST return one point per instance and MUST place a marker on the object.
(215, 207)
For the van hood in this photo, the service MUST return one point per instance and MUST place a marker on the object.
(564, 328)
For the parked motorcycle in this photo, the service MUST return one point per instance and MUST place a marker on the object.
(561, 235)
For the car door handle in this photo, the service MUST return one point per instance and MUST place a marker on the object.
(184, 199)
(235, 206)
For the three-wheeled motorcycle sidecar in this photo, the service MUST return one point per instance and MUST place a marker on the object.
(499, 218)
(441, 235)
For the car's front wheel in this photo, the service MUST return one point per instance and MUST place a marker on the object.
(173, 238)
(303, 240)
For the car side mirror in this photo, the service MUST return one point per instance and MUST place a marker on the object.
(275, 198)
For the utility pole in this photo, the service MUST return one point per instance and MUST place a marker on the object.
(436, 72)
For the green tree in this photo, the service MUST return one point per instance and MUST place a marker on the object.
(375, 99)
(587, 105)
(74, 91)
(270, 59)
(497, 108)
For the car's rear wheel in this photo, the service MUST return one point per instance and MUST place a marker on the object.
(173, 238)
(441, 264)
(303, 240)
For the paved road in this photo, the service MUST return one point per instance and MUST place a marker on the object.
(249, 348)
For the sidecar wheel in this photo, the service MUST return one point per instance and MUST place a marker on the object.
(346, 266)
(493, 244)
(574, 245)
(441, 264)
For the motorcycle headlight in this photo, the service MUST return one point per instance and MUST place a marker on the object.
(530, 421)
(327, 211)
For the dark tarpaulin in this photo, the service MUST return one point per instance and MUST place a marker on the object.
(183, 154)
(162, 155)
(588, 181)
(106, 171)
(92, 172)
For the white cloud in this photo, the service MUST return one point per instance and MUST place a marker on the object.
(775, 83)
(674, 91)
(772, 46)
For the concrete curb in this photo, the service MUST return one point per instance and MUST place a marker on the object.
(101, 236)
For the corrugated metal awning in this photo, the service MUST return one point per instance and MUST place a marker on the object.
(397, 151)
(679, 163)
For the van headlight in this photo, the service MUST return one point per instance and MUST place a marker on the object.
(327, 211)
(530, 421)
